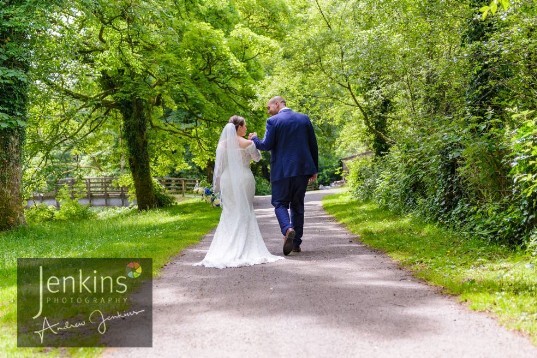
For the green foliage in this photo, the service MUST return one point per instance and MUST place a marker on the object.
(164, 199)
(524, 164)
(400, 184)
(532, 243)
(361, 178)
(329, 170)
(437, 180)
(524, 171)
(445, 106)
(493, 7)
(40, 213)
(441, 96)
(17, 36)
(21, 23)
(108, 72)
(70, 208)
(262, 186)
(115, 212)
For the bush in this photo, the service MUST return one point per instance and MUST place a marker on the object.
(329, 170)
(524, 170)
(262, 186)
(40, 213)
(163, 198)
(70, 208)
(440, 178)
(362, 178)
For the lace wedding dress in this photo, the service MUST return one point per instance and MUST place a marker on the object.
(237, 240)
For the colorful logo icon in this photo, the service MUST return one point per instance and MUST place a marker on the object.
(134, 269)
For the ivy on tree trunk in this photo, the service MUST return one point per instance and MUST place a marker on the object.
(11, 209)
(135, 120)
(14, 53)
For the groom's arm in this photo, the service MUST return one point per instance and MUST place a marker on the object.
(268, 141)
(314, 149)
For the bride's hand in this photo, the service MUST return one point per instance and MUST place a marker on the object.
(251, 135)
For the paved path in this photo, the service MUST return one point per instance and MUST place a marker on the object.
(337, 298)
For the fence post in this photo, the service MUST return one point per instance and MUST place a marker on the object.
(70, 185)
(88, 189)
(105, 184)
(56, 196)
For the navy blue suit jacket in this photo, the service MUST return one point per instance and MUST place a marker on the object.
(291, 140)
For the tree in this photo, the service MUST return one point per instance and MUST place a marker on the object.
(167, 66)
(17, 36)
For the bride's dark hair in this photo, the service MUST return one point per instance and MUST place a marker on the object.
(237, 121)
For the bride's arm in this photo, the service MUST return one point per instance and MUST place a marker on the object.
(250, 148)
(254, 152)
(244, 143)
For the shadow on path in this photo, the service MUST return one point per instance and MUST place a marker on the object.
(335, 298)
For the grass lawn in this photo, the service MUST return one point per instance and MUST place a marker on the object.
(489, 277)
(158, 234)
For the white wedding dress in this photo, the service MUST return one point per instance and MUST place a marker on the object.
(237, 240)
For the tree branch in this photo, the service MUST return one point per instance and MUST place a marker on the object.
(99, 98)
(322, 14)
(364, 114)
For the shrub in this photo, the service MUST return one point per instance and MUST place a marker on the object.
(362, 178)
(70, 208)
(524, 170)
(440, 178)
(40, 213)
(163, 198)
(329, 170)
(262, 186)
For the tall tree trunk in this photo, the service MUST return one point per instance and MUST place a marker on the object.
(13, 100)
(11, 208)
(134, 112)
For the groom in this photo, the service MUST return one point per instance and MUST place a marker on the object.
(294, 162)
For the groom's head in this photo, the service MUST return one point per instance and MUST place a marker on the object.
(275, 104)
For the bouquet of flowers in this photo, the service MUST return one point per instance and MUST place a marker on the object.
(208, 195)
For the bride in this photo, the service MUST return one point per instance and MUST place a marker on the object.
(237, 240)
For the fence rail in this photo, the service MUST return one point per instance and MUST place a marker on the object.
(95, 188)
(178, 185)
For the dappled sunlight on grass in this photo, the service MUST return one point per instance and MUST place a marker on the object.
(492, 278)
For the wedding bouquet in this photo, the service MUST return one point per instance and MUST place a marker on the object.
(208, 195)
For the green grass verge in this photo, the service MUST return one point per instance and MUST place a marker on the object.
(490, 277)
(158, 234)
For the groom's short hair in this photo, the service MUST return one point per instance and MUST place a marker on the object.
(277, 99)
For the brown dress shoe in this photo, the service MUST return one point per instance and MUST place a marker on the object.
(288, 243)
(297, 249)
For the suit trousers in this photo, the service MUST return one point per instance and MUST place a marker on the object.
(289, 193)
